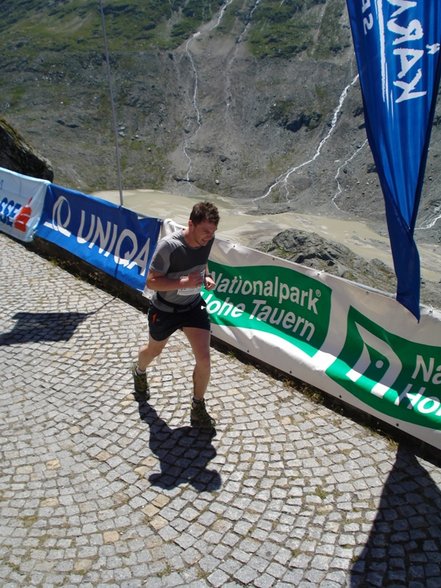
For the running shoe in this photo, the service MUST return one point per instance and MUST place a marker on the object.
(140, 383)
(199, 416)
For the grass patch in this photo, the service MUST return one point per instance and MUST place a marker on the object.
(332, 37)
(29, 520)
(35, 25)
(321, 492)
(275, 29)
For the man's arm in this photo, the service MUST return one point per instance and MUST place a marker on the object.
(161, 283)
(209, 283)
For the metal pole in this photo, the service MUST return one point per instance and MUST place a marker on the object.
(115, 130)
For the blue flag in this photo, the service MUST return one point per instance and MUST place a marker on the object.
(397, 46)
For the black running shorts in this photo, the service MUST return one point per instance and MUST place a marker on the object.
(163, 324)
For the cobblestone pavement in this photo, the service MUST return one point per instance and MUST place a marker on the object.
(98, 489)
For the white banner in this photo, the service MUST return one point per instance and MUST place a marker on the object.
(353, 342)
(21, 203)
(357, 344)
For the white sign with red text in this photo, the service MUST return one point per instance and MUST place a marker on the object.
(21, 203)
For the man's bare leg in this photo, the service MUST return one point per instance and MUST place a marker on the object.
(147, 353)
(199, 340)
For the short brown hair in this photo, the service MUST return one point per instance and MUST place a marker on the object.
(204, 211)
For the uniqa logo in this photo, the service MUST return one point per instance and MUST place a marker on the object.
(108, 237)
(58, 224)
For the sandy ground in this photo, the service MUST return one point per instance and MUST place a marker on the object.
(249, 230)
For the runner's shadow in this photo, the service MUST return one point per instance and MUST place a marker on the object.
(33, 327)
(183, 453)
(404, 545)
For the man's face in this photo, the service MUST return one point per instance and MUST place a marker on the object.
(201, 233)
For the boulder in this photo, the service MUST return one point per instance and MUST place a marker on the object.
(17, 155)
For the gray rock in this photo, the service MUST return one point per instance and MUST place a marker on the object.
(17, 155)
(313, 251)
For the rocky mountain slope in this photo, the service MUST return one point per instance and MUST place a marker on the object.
(17, 155)
(251, 99)
(336, 259)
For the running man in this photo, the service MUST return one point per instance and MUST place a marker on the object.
(177, 273)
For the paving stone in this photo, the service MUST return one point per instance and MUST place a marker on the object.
(100, 490)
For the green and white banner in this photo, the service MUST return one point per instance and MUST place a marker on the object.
(355, 343)
(389, 373)
(271, 300)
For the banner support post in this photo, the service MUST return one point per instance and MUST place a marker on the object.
(112, 101)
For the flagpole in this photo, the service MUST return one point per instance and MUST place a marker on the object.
(112, 102)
